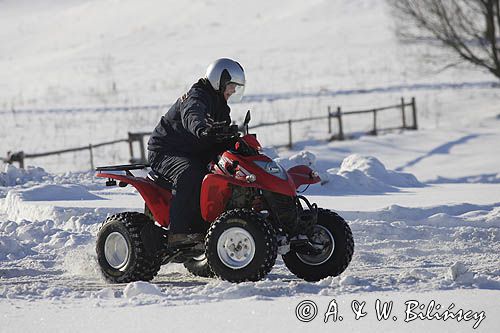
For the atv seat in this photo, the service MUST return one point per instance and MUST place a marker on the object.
(161, 180)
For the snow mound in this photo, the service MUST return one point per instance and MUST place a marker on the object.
(12, 249)
(15, 176)
(52, 192)
(460, 273)
(138, 288)
(357, 175)
(106, 293)
(37, 203)
(304, 158)
(372, 167)
(349, 280)
(26, 238)
(366, 174)
(416, 274)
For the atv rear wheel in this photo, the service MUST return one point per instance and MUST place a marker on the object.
(120, 249)
(198, 266)
(241, 246)
(333, 235)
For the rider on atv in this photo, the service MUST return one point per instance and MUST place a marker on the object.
(188, 137)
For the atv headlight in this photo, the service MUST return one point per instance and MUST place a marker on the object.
(273, 168)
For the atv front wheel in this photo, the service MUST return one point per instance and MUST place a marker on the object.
(241, 246)
(120, 250)
(334, 237)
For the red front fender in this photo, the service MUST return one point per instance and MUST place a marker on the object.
(215, 193)
(302, 175)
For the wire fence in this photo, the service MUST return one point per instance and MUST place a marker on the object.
(137, 138)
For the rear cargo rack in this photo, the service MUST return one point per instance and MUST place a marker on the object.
(123, 167)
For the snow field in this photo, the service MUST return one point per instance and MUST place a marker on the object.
(424, 206)
(397, 248)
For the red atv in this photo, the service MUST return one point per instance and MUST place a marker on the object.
(254, 212)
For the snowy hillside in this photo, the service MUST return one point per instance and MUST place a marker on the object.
(299, 60)
(70, 53)
(423, 206)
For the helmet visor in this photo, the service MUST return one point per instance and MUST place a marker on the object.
(237, 96)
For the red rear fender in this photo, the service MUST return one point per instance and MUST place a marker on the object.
(156, 197)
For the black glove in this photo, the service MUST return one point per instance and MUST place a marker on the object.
(220, 132)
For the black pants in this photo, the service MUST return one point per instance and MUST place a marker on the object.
(186, 173)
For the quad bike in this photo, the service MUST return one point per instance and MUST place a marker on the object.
(254, 212)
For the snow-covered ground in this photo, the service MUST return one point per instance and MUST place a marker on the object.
(424, 206)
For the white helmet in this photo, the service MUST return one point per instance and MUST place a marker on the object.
(224, 71)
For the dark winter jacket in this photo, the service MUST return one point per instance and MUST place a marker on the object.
(179, 130)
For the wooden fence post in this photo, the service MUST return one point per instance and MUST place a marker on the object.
(143, 152)
(339, 118)
(130, 145)
(15, 157)
(403, 112)
(414, 109)
(289, 133)
(329, 119)
(91, 157)
(374, 132)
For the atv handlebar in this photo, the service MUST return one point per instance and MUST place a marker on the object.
(220, 132)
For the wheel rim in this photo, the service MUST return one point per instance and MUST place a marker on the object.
(236, 248)
(324, 237)
(116, 250)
